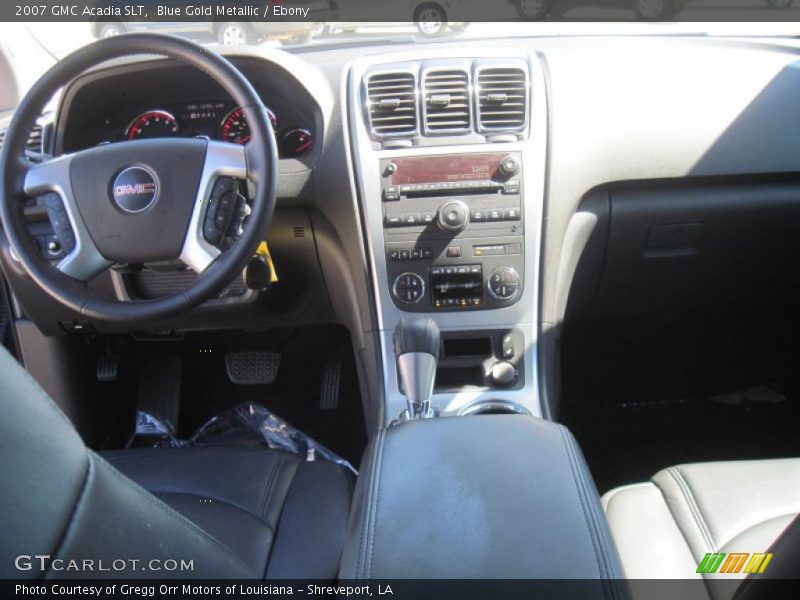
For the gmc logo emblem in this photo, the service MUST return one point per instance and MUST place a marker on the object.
(134, 190)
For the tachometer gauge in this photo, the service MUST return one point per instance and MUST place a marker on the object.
(234, 127)
(152, 124)
(296, 142)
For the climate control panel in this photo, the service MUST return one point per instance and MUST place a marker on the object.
(454, 231)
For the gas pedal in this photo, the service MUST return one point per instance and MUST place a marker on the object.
(331, 380)
(252, 368)
(107, 368)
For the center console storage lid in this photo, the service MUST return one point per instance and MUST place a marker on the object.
(491, 496)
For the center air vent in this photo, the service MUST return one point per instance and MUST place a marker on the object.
(34, 143)
(502, 98)
(446, 102)
(392, 103)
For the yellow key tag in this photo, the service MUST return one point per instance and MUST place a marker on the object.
(263, 250)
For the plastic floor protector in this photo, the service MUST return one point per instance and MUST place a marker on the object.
(247, 424)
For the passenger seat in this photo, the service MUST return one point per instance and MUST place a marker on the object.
(665, 528)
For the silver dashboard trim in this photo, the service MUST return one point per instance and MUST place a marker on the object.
(222, 160)
(522, 315)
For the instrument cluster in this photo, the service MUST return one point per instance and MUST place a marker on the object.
(215, 120)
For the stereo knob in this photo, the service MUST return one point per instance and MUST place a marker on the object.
(409, 288)
(509, 166)
(453, 216)
(504, 283)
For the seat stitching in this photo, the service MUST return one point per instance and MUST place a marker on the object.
(693, 508)
(265, 493)
(589, 524)
(271, 488)
(362, 549)
(84, 487)
(375, 511)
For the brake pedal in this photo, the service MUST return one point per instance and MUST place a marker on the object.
(252, 368)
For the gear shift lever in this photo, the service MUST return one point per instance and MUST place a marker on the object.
(416, 349)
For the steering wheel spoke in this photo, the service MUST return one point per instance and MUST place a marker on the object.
(84, 261)
(222, 160)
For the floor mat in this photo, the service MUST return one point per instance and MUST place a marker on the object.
(295, 393)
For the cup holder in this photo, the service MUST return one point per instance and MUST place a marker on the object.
(494, 407)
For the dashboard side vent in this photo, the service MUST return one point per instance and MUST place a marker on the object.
(502, 98)
(447, 107)
(392, 104)
(34, 143)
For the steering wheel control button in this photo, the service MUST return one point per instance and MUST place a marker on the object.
(224, 210)
(59, 221)
(409, 288)
(135, 189)
(504, 283)
(454, 216)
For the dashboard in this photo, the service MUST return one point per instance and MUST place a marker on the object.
(363, 200)
(170, 100)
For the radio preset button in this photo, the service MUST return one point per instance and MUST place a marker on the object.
(393, 221)
(511, 214)
(478, 216)
(496, 214)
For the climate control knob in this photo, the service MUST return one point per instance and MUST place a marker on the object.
(453, 216)
(409, 288)
(504, 283)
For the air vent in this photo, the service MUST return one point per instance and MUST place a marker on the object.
(447, 106)
(502, 98)
(299, 232)
(34, 140)
(392, 103)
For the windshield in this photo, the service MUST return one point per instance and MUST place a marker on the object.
(29, 49)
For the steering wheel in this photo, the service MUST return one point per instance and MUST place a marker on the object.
(138, 201)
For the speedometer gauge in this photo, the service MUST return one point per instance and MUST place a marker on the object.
(152, 124)
(234, 127)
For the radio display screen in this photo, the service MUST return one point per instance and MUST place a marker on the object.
(440, 169)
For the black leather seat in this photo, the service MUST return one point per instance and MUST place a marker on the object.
(232, 512)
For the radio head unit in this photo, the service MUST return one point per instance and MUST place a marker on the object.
(454, 230)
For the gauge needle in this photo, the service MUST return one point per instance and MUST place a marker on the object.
(303, 148)
(244, 140)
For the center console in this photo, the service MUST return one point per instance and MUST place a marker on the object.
(448, 156)
(485, 497)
